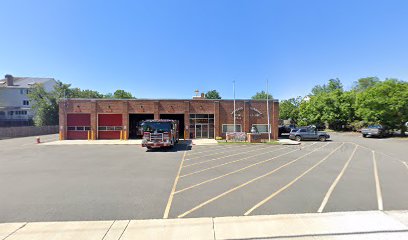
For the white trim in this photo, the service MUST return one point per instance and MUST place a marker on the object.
(222, 127)
(264, 125)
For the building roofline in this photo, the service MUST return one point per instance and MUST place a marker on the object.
(165, 99)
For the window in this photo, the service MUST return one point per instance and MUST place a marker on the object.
(27, 91)
(2, 113)
(21, 112)
(78, 128)
(10, 113)
(21, 91)
(262, 128)
(26, 102)
(110, 128)
(230, 128)
(302, 130)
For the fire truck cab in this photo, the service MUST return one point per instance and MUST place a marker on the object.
(160, 133)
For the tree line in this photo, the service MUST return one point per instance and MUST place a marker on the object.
(369, 101)
(45, 104)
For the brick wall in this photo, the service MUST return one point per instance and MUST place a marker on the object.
(248, 112)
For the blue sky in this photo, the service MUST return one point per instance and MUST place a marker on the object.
(167, 49)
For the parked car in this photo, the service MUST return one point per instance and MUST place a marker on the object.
(286, 129)
(308, 133)
(375, 131)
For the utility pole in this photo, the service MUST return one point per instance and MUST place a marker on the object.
(233, 88)
(267, 110)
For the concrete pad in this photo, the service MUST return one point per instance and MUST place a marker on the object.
(8, 228)
(94, 142)
(204, 142)
(288, 225)
(194, 228)
(288, 142)
(116, 230)
(63, 231)
(401, 216)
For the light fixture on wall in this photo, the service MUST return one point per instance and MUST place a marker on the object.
(141, 106)
(109, 108)
(78, 108)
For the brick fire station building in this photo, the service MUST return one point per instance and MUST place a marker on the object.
(198, 118)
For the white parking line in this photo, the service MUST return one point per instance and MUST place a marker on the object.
(223, 164)
(377, 184)
(235, 154)
(290, 183)
(331, 189)
(238, 170)
(167, 210)
(246, 183)
(216, 153)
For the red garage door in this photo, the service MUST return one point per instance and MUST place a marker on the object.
(109, 126)
(78, 125)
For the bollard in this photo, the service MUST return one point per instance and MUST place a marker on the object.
(38, 140)
(92, 135)
(121, 134)
(89, 135)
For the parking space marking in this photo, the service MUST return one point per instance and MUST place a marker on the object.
(246, 183)
(211, 149)
(235, 154)
(202, 156)
(331, 189)
(223, 164)
(290, 183)
(238, 170)
(377, 184)
(167, 210)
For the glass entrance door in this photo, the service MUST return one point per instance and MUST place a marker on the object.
(201, 130)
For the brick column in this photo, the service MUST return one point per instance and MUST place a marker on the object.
(94, 119)
(125, 119)
(156, 110)
(217, 124)
(187, 119)
(246, 123)
(63, 119)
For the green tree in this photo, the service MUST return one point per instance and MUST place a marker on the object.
(363, 84)
(333, 84)
(328, 104)
(45, 104)
(261, 96)
(213, 94)
(122, 94)
(289, 109)
(385, 103)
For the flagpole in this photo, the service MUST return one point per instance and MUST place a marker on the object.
(267, 110)
(233, 88)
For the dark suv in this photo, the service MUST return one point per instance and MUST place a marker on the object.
(308, 133)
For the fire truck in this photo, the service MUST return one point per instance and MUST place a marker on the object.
(160, 133)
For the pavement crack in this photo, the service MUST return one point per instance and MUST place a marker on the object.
(22, 226)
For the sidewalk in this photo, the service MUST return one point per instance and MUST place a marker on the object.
(340, 225)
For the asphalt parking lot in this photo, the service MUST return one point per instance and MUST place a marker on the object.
(94, 182)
